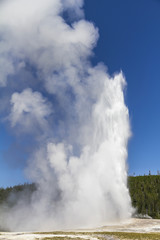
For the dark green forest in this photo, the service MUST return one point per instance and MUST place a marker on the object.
(10, 195)
(144, 192)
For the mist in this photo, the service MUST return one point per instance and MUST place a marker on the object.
(70, 114)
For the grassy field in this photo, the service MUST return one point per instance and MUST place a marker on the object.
(104, 236)
(134, 236)
(100, 235)
(63, 238)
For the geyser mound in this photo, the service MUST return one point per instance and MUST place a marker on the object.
(70, 114)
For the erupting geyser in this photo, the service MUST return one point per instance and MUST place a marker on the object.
(70, 114)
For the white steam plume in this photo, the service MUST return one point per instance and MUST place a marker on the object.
(75, 112)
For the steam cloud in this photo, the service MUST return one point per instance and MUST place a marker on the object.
(73, 112)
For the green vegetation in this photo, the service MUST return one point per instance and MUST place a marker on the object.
(10, 195)
(145, 194)
(133, 236)
(144, 191)
(105, 236)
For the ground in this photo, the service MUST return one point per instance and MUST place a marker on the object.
(133, 229)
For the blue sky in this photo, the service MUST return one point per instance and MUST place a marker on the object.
(129, 41)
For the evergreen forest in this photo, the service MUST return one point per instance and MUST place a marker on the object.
(144, 192)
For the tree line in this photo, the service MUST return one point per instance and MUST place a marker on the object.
(144, 192)
(10, 195)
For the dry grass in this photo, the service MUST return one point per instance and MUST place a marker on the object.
(132, 236)
(105, 235)
(63, 238)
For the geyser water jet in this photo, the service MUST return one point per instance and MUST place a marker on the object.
(74, 113)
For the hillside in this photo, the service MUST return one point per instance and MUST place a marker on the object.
(145, 194)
